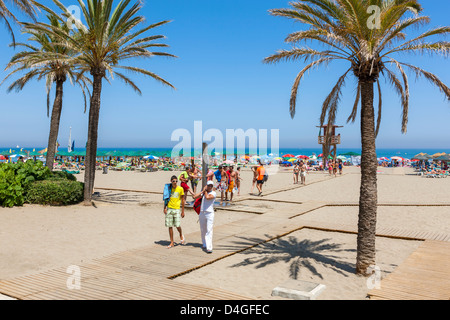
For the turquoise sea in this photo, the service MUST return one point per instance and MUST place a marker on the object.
(404, 153)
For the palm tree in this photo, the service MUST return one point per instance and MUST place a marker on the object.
(350, 32)
(26, 6)
(47, 61)
(111, 36)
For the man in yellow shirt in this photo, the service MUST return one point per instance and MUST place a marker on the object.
(173, 212)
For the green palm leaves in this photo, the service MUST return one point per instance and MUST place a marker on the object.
(25, 6)
(109, 38)
(348, 30)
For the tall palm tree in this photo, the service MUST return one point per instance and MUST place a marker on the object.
(110, 37)
(349, 31)
(25, 6)
(48, 61)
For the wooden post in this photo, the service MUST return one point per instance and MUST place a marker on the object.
(204, 164)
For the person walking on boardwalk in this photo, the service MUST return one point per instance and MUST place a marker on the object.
(303, 172)
(231, 183)
(184, 177)
(206, 216)
(340, 165)
(296, 171)
(260, 179)
(238, 180)
(174, 210)
(255, 177)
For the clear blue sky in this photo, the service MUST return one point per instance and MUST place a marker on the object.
(221, 80)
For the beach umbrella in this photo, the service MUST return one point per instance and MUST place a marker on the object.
(302, 157)
(278, 158)
(396, 158)
(288, 156)
(436, 155)
(2, 157)
(122, 164)
(444, 157)
(350, 154)
(341, 157)
(292, 160)
(422, 156)
(228, 162)
(150, 157)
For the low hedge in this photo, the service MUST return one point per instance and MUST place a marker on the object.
(57, 192)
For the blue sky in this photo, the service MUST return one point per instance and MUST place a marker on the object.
(221, 81)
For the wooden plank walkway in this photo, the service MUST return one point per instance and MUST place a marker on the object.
(424, 275)
(147, 272)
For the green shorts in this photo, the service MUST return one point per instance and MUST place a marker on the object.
(173, 218)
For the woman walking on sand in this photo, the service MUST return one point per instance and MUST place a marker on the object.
(255, 176)
(296, 171)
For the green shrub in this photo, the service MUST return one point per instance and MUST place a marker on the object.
(55, 192)
(57, 175)
(11, 186)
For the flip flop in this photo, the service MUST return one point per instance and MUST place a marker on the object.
(170, 246)
(183, 241)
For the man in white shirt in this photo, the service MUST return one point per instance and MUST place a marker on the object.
(206, 216)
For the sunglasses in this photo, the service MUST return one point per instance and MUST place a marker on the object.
(174, 181)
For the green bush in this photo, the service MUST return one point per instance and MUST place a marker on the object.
(55, 192)
(57, 175)
(17, 179)
(11, 187)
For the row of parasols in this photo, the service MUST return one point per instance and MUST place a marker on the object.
(437, 156)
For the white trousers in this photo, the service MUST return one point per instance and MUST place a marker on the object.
(206, 220)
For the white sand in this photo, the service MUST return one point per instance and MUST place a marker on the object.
(315, 256)
(36, 238)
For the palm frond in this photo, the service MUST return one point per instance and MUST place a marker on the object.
(300, 75)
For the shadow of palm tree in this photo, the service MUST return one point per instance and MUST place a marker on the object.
(302, 255)
(119, 197)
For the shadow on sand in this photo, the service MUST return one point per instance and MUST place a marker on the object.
(302, 254)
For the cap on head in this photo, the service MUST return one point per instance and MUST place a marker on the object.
(210, 183)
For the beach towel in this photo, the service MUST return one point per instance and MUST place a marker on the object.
(218, 175)
(166, 193)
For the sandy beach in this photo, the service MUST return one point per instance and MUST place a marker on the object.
(37, 238)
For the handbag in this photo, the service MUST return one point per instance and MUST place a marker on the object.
(197, 205)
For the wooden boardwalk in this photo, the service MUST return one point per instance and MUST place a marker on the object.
(147, 273)
(424, 275)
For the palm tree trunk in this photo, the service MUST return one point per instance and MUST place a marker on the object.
(368, 192)
(91, 146)
(54, 124)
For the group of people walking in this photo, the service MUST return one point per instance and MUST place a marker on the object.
(228, 181)
(174, 205)
(300, 169)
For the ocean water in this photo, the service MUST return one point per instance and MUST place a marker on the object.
(404, 153)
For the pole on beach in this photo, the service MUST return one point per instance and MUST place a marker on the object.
(204, 164)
